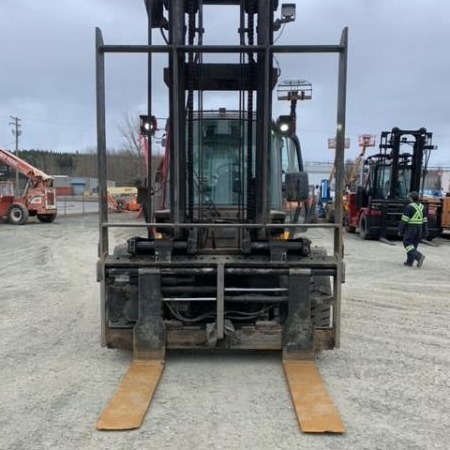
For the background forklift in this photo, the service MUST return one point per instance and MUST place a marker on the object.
(376, 207)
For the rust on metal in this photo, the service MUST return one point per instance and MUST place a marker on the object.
(315, 409)
(127, 409)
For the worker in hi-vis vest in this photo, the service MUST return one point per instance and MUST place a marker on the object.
(413, 226)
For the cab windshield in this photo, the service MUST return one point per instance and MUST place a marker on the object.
(401, 184)
(220, 163)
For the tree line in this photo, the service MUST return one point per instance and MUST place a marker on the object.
(125, 167)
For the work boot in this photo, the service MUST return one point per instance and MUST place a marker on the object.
(408, 264)
(420, 260)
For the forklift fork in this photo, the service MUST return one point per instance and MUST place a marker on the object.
(127, 409)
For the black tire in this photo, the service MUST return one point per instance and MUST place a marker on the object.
(321, 295)
(364, 228)
(347, 226)
(329, 215)
(46, 218)
(18, 214)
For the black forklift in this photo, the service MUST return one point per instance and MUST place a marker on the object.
(213, 265)
(400, 167)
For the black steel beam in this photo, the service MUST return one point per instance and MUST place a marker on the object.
(222, 48)
(148, 200)
(219, 225)
(339, 188)
(172, 268)
(176, 112)
(101, 142)
(224, 77)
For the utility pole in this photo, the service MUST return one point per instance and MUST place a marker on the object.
(17, 132)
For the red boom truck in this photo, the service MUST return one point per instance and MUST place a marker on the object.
(38, 199)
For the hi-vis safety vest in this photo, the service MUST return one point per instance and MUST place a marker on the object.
(414, 214)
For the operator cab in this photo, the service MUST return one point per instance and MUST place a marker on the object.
(381, 185)
(222, 176)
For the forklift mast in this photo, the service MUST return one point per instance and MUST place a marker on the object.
(188, 77)
(414, 163)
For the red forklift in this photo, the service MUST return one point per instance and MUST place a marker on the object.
(376, 207)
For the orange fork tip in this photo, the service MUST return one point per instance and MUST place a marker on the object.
(128, 407)
(316, 412)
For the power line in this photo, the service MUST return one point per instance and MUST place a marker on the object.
(17, 132)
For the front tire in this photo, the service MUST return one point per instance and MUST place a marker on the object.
(321, 294)
(329, 214)
(364, 227)
(348, 228)
(18, 214)
(46, 218)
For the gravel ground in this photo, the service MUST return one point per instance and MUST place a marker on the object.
(389, 379)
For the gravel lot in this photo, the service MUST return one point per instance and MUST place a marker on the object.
(390, 378)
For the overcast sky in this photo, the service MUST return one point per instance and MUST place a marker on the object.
(398, 69)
